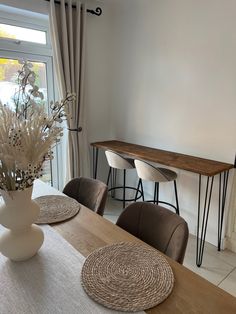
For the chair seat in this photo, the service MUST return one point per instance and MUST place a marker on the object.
(118, 161)
(157, 175)
(148, 172)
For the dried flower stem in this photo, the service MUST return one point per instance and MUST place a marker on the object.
(27, 133)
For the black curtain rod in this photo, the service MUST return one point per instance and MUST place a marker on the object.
(97, 11)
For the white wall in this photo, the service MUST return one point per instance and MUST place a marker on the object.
(99, 97)
(174, 74)
(173, 83)
(98, 76)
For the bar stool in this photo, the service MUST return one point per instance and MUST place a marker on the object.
(148, 172)
(119, 162)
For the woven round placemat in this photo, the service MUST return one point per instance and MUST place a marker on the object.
(55, 208)
(127, 277)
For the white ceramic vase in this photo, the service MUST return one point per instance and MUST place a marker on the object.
(23, 239)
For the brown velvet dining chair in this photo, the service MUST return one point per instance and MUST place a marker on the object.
(158, 227)
(88, 192)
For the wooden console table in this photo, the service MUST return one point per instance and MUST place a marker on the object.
(200, 166)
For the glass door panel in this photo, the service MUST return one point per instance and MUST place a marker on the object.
(9, 87)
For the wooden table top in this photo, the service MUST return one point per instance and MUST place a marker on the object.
(194, 164)
(191, 294)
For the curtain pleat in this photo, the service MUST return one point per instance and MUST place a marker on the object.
(67, 27)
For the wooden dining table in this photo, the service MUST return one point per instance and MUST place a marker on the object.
(87, 231)
(201, 166)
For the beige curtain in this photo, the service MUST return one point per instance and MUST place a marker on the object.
(67, 27)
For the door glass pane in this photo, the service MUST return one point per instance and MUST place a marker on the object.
(22, 33)
(9, 86)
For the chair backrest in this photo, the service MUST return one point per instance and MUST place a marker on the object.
(117, 161)
(88, 192)
(148, 172)
(157, 226)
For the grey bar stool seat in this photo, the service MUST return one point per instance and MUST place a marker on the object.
(148, 172)
(119, 162)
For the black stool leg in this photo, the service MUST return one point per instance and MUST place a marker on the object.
(141, 184)
(176, 198)
(112, 182)
(124, 183)
(136, 194)
(109, 175)
(156, 193)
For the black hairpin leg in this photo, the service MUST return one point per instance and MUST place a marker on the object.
(136, 194)
(113, 182)
(202, 235)
(109, 175)
(176, 198)
(139, 189)
(95, 162)
(142, 191)
(222, 198)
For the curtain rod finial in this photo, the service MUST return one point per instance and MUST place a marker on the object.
(97, 11)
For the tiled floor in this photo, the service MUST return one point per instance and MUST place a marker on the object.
(217, 267)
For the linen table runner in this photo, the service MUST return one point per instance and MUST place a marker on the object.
(48, 283)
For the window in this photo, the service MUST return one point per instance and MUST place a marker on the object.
(8, 88)
(8, 76)
(22, 33)
(28, 40)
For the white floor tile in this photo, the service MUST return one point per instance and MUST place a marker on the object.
(113, 207)
(229, 283)
(213, 268)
